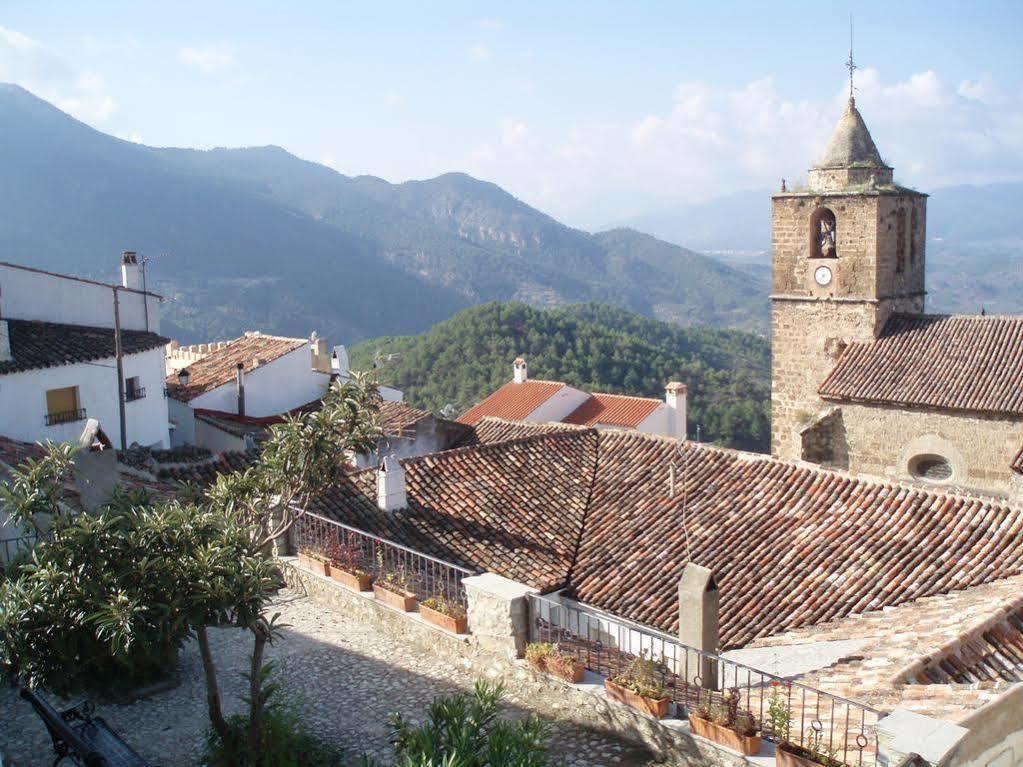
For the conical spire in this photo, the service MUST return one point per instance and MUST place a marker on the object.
(851, 145)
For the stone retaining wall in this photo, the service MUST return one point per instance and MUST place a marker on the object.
(496, 617)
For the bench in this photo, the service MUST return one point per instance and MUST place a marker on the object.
(83, 738)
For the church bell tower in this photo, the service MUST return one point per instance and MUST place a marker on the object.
(847, 253)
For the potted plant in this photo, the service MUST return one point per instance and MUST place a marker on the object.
(788, 754)
(443, 612)
(641, 686)
(722, 722)
(551, 659)
(346, 565)
(314, 560)
(393, 587)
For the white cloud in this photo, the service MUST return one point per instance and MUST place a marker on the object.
(480, 51)
(708, 141)
(212, 58)
(38, 68)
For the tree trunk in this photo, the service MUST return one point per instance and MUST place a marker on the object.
(261, 633)
(212, 688)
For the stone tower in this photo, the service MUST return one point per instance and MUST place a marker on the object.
(847, 251)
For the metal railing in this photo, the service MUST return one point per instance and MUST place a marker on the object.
(139, 392)
(423, 575)
(828, 724)
(65, 416)
(12, 548)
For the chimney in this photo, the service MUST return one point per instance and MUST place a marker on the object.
(339, 363)
(318, 346)
(240, 386)
(675, 396)
(698, 603)
(519, 371)
(5, 342)
(130, 270)
(391, 494)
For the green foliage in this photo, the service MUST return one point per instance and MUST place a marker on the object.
(644, 676)
(34, 489)
(464, 731)
(596, 348)
(106, 603)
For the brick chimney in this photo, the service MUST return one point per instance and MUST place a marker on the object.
(130, 270)
(391, 494)
(675, 397)
(239, 381)
(698, 608)
(519, 374)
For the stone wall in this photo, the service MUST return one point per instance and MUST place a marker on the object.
(883, 440)
(495, 610)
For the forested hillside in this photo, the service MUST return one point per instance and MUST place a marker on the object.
(594, 347)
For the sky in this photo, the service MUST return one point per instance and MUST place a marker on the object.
(591, 111)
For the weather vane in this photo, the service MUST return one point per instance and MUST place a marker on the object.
(850, 64)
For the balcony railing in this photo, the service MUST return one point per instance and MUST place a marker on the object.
(12, 548)
(827, 723)
(138, 392)
(425, 576)
(65, 416)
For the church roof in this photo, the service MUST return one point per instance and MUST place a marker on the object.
(851, 144)
(964, 363)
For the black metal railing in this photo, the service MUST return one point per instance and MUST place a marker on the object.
(423, 575)
(13, 548)
(139, 392)
(65, 416)
(828, 724)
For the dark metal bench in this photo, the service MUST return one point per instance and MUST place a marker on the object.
(83, 738)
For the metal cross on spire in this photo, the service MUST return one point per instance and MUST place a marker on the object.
(850, 64)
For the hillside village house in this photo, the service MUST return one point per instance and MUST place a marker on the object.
(895, 601)
(58, 356)
(536, 401)
(862, 378)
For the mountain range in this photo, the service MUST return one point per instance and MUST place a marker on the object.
(257, 238)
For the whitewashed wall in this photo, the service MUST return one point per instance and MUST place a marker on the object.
(31, 295)
(276, 387)
(23, 400)
(183, 418)
(216, 440)
(560, 406)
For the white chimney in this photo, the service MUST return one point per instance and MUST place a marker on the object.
(675, 395)
(519, 371)
(339, 363)
(5, 342)
(391, 495)
(130, 270)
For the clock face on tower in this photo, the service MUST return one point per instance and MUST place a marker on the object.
(822, 276)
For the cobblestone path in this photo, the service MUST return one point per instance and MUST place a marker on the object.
(343, 678)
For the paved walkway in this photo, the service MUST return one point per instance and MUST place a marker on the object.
(343, 678)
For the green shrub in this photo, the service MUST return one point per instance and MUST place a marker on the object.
(285, 742)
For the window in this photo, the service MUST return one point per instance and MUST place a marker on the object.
(62, 406)
(823, 233)
(932, 468)
(900, 241)
(133, 389)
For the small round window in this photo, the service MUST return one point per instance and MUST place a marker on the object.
(933, 468)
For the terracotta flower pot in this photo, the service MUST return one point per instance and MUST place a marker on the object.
(657, 708)
(540, 664)
(304, 560)
(356, 581)
(791, 755)
(405, 602)
(748, 745)
(570, 672)
(447, 622)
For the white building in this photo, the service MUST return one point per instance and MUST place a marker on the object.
(58, 356)
(252, 378)
(523, 399)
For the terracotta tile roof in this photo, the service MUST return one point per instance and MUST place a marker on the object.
(37, 345)
(399, 418)
(490, 430)
(513, 401)
(613, 410)
(1017, 462)
(953, 363)
(220, 366)
(14, 451)
(791, 544)
(205, 473)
